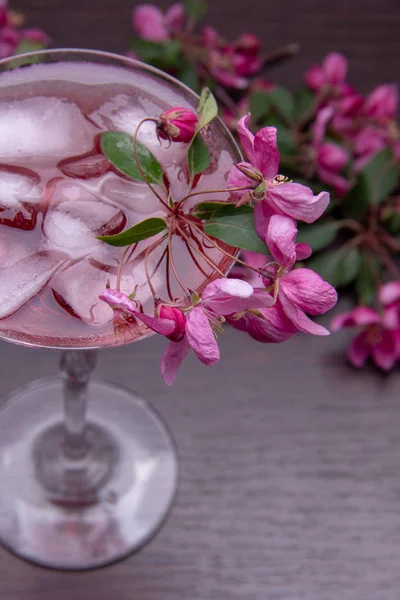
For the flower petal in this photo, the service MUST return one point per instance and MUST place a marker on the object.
(299, 318)
(303, 251)
(308, 291)
(389, 292)
(359, 350)
(148, 21)
(335, 68)
(298, 201)
(382, 102)
(332, 156)
(201, 337)
(227, 296)
(384, 352)
(173, 356)
(118, 300)
(263, 211)
(175, 17)
(238, 179)
(246, 138)
(266, 152)
(281, 239)
(319, 127)
(161, 326)
(315, 77)
(362, 315)
(269, 326)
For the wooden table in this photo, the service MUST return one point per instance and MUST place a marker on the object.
(290, 460)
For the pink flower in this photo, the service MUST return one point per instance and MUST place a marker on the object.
(369, 141)
(150, 23)
(274, 194)
(330, 158)
(121, 303)
(375, 340)
(232, 63)
(178, 124)
(299, 291)
(389, 297)
(220, 298)
(382, 102)
(331, 73)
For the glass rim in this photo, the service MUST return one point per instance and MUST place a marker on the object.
(132, 62)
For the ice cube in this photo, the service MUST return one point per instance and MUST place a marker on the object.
(43, 128)
(18, 185)
(123, 113)
(75, 217)
(23, 280)
(134, 195)
(20, 190)
(79, 285)
(85, 167)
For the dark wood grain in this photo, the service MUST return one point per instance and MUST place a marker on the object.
(290, 485)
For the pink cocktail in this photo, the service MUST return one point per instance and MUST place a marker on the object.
(58, 191)
(77, 494)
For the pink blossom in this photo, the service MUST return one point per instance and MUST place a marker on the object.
(178, 124)
(389, 297)
(330, 158)
(151, 24)
(369, 141)
(232, 63)
(375, 340)
(274, 194)
(121, 303)
(220, 298)
(331, 73)
(382, 102)
(299, 291)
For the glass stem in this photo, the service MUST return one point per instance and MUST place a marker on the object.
(76, 368)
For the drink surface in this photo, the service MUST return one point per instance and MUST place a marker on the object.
(57, 192)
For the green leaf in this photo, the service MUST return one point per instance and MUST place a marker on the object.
(28, 46)
(118, 148)
(196, 9)
(198, 157)
(208, 108)
(365, 284)
(318, 235)
(188, 75)
(141, 231)
(259, 105)
(304, 103)
(337, 267)
(204, 210)
(374, 183)
(235, 226)
(160, 54)
(282, 101)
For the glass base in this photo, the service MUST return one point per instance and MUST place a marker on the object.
(80, 528)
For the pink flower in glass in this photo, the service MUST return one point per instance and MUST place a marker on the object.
(121, 303)
(220, 298)
(275, 195)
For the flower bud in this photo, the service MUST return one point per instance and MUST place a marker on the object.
(178, 124)
(176, 315)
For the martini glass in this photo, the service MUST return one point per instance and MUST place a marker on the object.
(88, 470)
